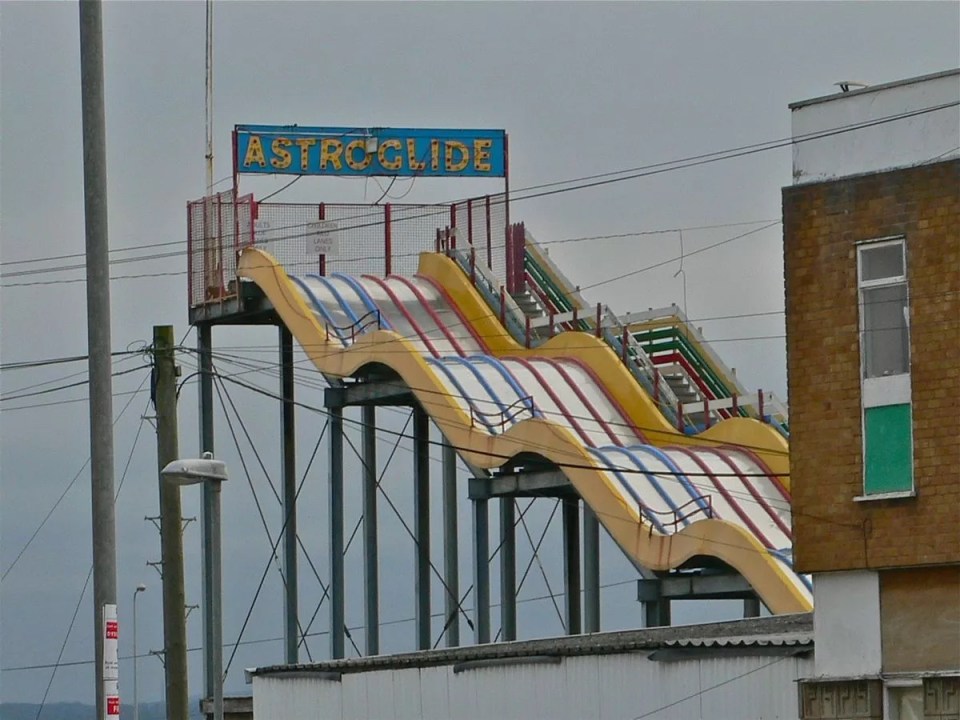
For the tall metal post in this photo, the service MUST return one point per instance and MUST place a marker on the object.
(591, 571)
(205, 363)
(751, 607)
(288, 435)
(171, 537)
(421, 504)
(481, 571)
(98, 332)
(216, 600)
(371, 563)
(508, 568)
(336, 534)
(571, 563)
(451, 549)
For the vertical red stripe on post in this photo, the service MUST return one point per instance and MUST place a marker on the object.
(220, 243)
(623, 345)
(503, 306)
(760, 404)
(321, 213)
(489, 234)
(473, 265)
(387, 243)
(598, 330)
(189, 255)
(656, 385)
(527, 332)
(520, 247)
(470, 221)
(508, 256)
(438, 239)
(322, 209)
(680, 415)
(453, 225)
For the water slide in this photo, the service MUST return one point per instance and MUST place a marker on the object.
(664, 496)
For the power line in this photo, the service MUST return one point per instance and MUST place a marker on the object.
(553, 188)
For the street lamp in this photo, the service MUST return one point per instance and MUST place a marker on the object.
(213, 473)
(136, 700)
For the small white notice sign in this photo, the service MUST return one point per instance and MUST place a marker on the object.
(322, 238)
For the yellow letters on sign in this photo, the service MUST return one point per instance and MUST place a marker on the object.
(351, 155)
(282, 158)
(330, 150)
(481, 155)
(452, 146)
(397, 161)
(305, 145)
(254, 153)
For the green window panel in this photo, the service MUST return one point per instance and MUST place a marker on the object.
(888, 454)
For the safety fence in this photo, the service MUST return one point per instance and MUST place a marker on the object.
(325, 238)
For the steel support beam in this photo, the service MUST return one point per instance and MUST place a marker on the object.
(571, 563)
(205, 362)
(591, 571)
(288, 437)
(371, 564)
(336, 534)
(538, 483)
(508, 568)
(751, 607)
(421, 504)
(451, 549)
(481, 571)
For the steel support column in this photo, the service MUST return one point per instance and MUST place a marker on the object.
(591, 571)
(371, 565)
(571, 564)
(451, 549)
(336, 534)
(481, 571)
(205, 362)
(508, 568)
(751, 607)
(288, 436)
(421, 504)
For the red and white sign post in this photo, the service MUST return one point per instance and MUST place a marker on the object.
(111, 663)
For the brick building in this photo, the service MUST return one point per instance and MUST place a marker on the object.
(872, 264)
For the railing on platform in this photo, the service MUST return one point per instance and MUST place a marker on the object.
(363, 323)
(505, 416)
(330, 237)
(700, 505)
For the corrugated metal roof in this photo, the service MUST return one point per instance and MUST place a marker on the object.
(777, 631)
(794, 639)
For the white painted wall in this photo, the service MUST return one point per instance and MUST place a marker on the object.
(604, 687)
(890, 145)
(846, 625)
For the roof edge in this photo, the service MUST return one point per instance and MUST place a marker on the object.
(873, 88)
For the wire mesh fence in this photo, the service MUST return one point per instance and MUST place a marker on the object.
(325, 238)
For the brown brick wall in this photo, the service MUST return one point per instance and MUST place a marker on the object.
(822, 223)
(920, 619)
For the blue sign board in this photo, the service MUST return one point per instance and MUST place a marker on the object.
(295, 150)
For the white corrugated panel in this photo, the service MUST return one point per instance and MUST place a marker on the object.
(608, 687)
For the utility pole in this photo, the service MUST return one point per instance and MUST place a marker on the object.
(98, 347)
(171, 539)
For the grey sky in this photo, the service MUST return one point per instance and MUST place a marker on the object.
(581, 89)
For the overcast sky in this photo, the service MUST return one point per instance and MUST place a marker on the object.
(581, 89)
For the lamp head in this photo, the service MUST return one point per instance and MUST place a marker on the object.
(141, 587)
(195, 470)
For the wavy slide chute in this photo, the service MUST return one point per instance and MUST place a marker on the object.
(664, 497)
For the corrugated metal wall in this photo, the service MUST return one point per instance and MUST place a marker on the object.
(620, 687)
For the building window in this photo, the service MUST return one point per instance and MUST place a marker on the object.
(885, 367)
(884, 311)
(904, 702)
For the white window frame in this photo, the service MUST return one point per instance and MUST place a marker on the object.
(889, 711)
(896, 386)
(892, 389)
